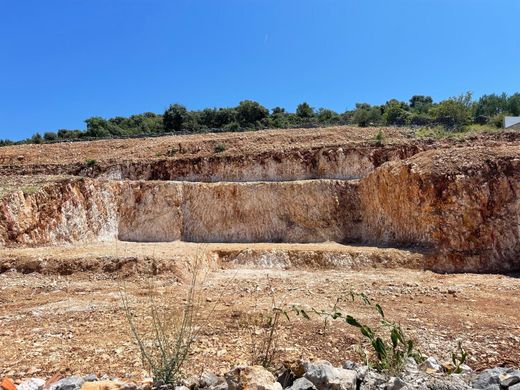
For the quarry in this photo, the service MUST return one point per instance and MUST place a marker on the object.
(428, 228)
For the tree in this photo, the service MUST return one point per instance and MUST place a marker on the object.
(250, 113)
(174, 117)
(36, 138)
(50, 136)
(421, 104)
(97, 127)
(491, 105)
(453, 113)
(513, 104)
(304, 111)
(395, 113)
(326, 116)
(366, 115)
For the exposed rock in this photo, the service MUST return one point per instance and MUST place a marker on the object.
(395, 384)
(431, 365)
(209, 379)
(489, 378)
(251, 378)
(302, 384)
(463, 205)
(70, 383)
(327, 377)
(31, 384)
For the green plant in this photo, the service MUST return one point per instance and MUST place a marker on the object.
(390, 349)
(166, 337)
(458, 358)
(90, 162)
(380, 138)
(29, 190)
(219, 148)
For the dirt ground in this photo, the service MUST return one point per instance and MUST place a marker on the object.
(76, 324)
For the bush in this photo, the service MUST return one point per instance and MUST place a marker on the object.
(50, 136)
(219, 148)
(249, 113)
(174, 117)
(165, 339)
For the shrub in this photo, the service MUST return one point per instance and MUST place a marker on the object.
(90, 162)
(174, 117)
(165, 339)
(219, 148)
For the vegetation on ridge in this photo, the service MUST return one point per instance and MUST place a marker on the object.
(451, 115)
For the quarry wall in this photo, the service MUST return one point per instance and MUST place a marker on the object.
(462, 208)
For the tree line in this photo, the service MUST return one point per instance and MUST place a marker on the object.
(453, 114)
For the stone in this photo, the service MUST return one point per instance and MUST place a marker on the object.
(431, 366)
(510, 378)
(101, 385)
(373, 380)
(31, 384)
(7, 384)
(286, 378)
(70, 383)
(327, 377)
(487, 378)
(395, 384)
(349, 365)
(209, 379)
(251, 378)
(515, 387)
(302, 384)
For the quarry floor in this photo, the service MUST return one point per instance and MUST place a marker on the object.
(76, 324)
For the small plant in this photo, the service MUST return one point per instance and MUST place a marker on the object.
(30, 190)
(380, 137)
(90, 162)
(166, 336)
(219, 148)
(458, 358)
(158, 154)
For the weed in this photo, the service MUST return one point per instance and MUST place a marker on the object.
(219, 148)
(458, 358)
(30, 190)
(380, 137)
(165, 339)
(90, 162)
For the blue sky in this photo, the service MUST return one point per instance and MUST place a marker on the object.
(62, 61)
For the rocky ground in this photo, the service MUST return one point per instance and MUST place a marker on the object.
(75, 323)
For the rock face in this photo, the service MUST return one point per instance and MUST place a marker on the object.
(462, 208)
(464, 205)
(73, 210)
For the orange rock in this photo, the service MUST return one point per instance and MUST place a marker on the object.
(7, 384)
(101, 385)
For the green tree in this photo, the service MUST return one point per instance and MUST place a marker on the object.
(454, 113)
(36, 138)
(328, 117)
(421, 104)
(174, 117)
(366, 115)
(50, 136)
(491, 105)
(395, 113)
(513, 104)
(97, 127)
(251, 113)
(304, 111)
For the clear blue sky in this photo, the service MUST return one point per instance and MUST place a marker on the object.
(62, 61)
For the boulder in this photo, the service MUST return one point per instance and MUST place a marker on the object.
(327, 377)
(70, 383)
(251, 378)
(31, 384)
(302, 384)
